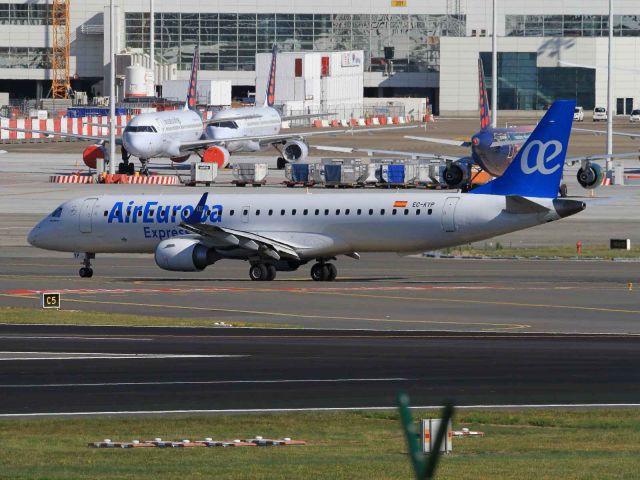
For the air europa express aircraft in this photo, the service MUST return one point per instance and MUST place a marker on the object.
(283, 232)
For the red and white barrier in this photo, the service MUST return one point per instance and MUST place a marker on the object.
(71, 179)
(155, 180)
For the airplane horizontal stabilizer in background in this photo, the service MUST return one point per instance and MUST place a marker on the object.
(536, 171)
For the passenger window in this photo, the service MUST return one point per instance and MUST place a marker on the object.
(106, 213)
(326, 211)
(270, 212)
(359, 211)
(305, 211)
(282, 212)
(406, 211)
(231, 212)
(394, 211)
(338, 211)
(140, 213)
(346, 212)
(371, 211)
(293, 212)
(418, 211)
(429, 212)
(257, 212)
(245, 212)
(317, 212)
(382, 211)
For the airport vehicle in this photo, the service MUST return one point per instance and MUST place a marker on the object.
(599, 114)
(282, 232)
(176, 134)
(578, 114)
(635, 116)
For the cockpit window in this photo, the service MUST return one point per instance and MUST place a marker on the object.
(57, 212)
(227, 125)
(140, 128)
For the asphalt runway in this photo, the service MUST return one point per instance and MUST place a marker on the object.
(48, 370)
(380, 292)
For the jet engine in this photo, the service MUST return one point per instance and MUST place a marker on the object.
(457, 174)
(182, 158)
(184, 255)
(219, 155)
(295, 150)
(91, 154)
(590, 175)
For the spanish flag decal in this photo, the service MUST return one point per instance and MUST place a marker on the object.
(399, 204)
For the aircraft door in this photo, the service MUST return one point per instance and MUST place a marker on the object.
(86, 215)
(246, 211)
(448, 214)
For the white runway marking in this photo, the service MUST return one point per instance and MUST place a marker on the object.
(210, 382)
(19, 356)
(317, 409)
(64, 337)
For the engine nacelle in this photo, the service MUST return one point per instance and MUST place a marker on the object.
(184, 255)
(590, 176)
(456, 175)
(295, 150)
(219, 155)
(182, 158)
(91, 154)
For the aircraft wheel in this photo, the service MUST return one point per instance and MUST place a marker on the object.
(271, 272)
(86, 272)
(122, 168)
(281, 163)
(333, 272)
(320, 272)
(259, 272)
(131, 169)
(563, 192)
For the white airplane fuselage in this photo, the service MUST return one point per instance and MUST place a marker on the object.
(159, 134)
(316, 225)
(267, 122)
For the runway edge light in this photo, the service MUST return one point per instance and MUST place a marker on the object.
(50, 300)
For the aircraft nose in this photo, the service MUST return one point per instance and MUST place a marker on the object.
(33, 236)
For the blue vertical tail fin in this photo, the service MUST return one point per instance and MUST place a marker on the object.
(270, 98)
(536, 171)
(485, 113)
(192, 100)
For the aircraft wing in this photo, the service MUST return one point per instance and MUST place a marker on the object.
(63, 134)
(213, 121)
(603, 132)
(442, 141)
(371, 152)
(283, 137)
(229, 237)
(589, 158)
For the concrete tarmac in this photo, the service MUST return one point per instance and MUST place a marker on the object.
(380, 291)
(98, 370)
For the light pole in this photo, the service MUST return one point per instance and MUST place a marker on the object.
(494, 69)
(610, 94)
(112, 91)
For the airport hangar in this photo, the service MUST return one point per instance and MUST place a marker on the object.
(436, 45)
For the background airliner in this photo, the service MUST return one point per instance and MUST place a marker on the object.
(176, 134)
(283, 232)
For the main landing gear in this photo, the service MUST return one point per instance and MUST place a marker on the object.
(324, 272)
(86, 271)
(262, 272)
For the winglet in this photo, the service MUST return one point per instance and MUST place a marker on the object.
(192, 99)
(198, 213)
(536, 170)
(485, 118)
(270, 98)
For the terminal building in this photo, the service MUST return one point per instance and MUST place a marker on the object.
(548, 49)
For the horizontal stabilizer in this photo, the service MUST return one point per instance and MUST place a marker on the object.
(520, 205)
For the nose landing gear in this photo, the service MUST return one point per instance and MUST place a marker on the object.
(86, 271)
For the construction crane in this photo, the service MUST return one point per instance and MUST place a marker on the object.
(61, 49)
